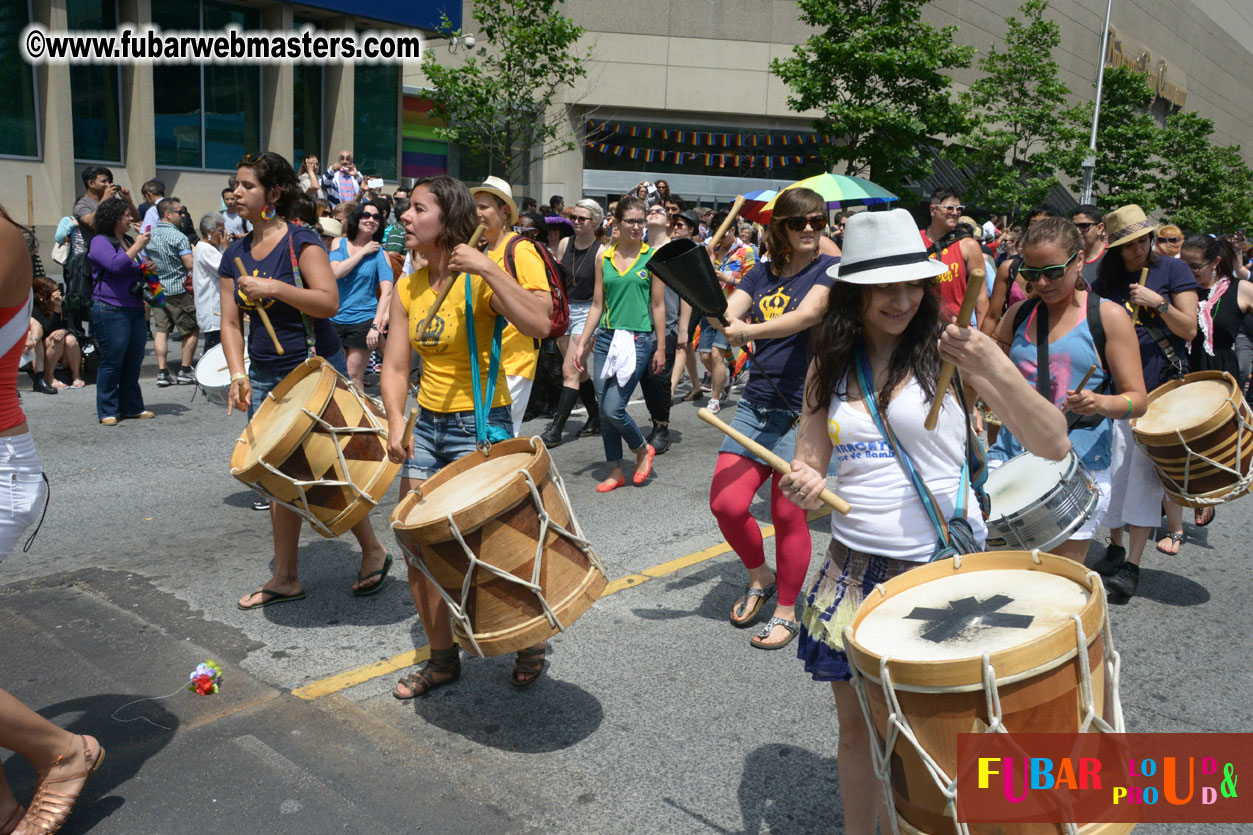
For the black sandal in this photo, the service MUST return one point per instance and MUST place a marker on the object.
(741, 617)
(530, 662)
(442, 662)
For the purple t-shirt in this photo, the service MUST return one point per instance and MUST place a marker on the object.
(1167, 277)
(785, 359)
(113, 272)
(288, 324)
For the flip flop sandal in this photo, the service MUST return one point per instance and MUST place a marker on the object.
(741, 620)
(1203, 516)
(274, 597)
(1175, 537)
(529, 661)
(365, 591)
(759, 640)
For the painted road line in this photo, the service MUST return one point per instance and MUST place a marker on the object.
(413, 657)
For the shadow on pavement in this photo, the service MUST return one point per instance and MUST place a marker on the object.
(549, 715)
(790, 789)
(1171, 589)
(128, 745)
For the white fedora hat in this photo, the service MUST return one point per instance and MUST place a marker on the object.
(499, 188)
(884, 247)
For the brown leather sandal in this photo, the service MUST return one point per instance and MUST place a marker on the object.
(443, 662)
(12, 820)
(50, 808)
(530, 662)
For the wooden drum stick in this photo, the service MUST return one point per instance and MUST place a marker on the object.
(265, 318)
(830, 499)
(1144, 275)
(443, 294)
(973, 289)
(726, 224)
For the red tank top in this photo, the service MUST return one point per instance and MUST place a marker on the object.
(14, 325)
(952, 285)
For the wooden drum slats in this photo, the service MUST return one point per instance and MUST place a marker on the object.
(1201, 459)
(496, 535)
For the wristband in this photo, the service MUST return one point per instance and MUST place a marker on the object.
(235, 378)
(1130, 406)
(373, 326)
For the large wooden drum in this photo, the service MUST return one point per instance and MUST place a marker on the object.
(496, 535)
(318, 446)
(1198, 431)
(974, 644)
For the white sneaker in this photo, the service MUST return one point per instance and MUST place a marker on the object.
(714, 407)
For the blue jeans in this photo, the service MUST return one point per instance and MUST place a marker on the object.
(264, 378)
(616, 425)
(121, 335)
(440, 438)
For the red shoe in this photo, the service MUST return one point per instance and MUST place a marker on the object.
(641, 473)
(610, 484)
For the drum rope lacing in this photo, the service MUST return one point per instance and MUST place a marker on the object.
(898, 722)
(300, 486)
(1243, 482)
(459, 609)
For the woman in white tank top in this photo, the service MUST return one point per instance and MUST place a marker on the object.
(884, 304)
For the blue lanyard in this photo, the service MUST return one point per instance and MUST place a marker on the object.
(484, 434)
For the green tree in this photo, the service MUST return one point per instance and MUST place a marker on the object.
(1127, 141)
(1203, 187)
(876, 73)
(497, 104)
(1019, 115)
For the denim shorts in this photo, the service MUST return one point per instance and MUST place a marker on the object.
(578, 317)
(711, 337)
(440, 438)
(775, 429)
(264, 378)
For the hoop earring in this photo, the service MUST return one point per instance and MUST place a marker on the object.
(268, 212)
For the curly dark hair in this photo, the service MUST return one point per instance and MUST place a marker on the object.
(839, 336)
(354, 221)
(458, 212)
(43, 289)
(275, 172)
(108, 214)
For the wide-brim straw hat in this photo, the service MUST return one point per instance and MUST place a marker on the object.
(1127, 223)
(330, 227)
(499, 188)
(883, 248)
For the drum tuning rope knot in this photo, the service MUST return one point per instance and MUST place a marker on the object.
(1035, 556)
(1243, 482)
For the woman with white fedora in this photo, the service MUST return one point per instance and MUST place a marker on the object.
(1164, 308)
(883, 325)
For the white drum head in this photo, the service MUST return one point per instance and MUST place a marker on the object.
(213, 375)
(464, 489)
(966, 615)
(1022, 480)
(1185, 406)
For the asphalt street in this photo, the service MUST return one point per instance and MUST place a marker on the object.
(653, 714)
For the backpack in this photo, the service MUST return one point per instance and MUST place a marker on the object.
(78, 283)
(560, 317)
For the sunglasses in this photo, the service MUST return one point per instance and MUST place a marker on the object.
(956, 210)
(1170, 240)
(526, 231)
(371, 216)
(1084, 226)
(799, 224)
(1051, 273)
(1196, 268)
(580, 219)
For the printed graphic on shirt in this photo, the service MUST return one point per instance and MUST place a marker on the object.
(433, 339)
(862, 450)
(249, 304)
(775, 304)
(833, 431)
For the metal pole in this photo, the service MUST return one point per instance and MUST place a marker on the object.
(1089, 163)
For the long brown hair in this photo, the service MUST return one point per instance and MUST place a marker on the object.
(795, 202)
(840, 335)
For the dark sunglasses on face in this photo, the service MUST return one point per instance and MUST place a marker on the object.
(526, 231)
(1170, 240)
(1083, 226)
(580, 219)
(798, 224)
(1051, 273)
(371, 216)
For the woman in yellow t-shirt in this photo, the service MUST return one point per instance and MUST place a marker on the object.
(440, 219)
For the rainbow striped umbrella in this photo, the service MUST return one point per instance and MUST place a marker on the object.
(838, 190)
(754, 202)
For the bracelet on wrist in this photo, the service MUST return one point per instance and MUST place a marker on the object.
(240, 377)
(1130, 406)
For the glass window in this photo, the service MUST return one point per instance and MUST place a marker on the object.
(376, 119)
(307, 118)
(19, 120)
(206, 116)
(95, 91)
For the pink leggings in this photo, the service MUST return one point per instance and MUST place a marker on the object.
(736, 481)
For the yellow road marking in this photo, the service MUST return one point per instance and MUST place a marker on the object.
(413, 657)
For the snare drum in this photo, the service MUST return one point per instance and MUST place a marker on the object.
(980, 643)
(496, 535)
(318, 446)
(1198, 432)
(1038, 503)
(214, 376)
